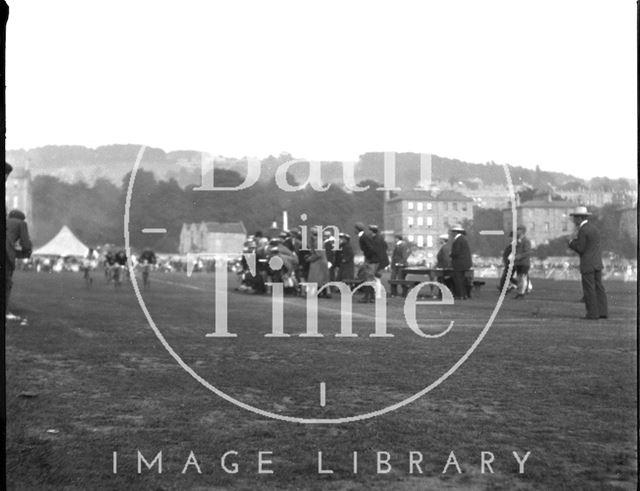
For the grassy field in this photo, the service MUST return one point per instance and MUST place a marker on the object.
(87, 377)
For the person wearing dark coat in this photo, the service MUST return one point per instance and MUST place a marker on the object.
(332, 253)
(381, 249)
(506, 261)
(346, 269)
(399, 258)
(443, 262)
(367, 272)
(522, 260)
(587, 245)
(460, 261)
(18, 246)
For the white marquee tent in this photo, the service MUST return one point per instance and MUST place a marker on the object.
(65, 243)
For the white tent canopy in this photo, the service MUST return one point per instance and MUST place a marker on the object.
(65, 243)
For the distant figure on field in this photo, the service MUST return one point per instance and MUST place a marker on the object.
(367, 271)
(460, 261)
(443, 262)
(522, 260)
(399, 258)
(506, 262)
(346, 269)
(147, 259)
(381, 249)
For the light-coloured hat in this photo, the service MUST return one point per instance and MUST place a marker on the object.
(457, 228)
(580, 211)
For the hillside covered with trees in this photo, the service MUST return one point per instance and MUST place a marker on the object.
(96, 213)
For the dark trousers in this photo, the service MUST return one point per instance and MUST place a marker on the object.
(459, 284)
(397, 273)
(503, 279)
(595, 298)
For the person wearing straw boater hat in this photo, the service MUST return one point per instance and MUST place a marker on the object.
(587, 245)
(460, 261)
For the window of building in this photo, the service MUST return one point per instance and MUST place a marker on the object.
(410, 237)
(546, 227)
(420, 241)
(429, 221)
(464, 206)
(446, 206)
(429, 240)
(455, 205)
(420, 206)
(420, 221)
(410, 221)
(429, 205)
(410, 204)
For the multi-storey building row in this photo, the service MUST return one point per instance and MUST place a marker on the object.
(421, 216)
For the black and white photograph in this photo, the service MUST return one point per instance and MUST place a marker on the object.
(338, 245)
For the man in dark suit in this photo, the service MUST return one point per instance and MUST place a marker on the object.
(587, 245)
(443, 262)
(381, 249)
(367, 271)
(18, 246)
(460, 261)
(345, 255)
(399, 258)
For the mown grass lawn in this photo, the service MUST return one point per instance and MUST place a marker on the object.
(87, 377)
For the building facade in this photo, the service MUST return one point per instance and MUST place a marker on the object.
(629, 223)
(421, 216)
(595, 198)
(212, 238)
(544, 219)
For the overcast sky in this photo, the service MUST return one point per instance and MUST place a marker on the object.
(547, 82)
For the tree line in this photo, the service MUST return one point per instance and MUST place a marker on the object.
(96, 213)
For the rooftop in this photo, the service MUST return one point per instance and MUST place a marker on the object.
(538, 203)
(227, 227)
(415, 195)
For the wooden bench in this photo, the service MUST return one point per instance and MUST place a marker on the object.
(406, 285)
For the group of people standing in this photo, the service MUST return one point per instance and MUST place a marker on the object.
(325, 258)
(455, 261)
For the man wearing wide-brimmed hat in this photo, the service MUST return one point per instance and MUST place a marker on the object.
(587, 245)
(460, 261)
